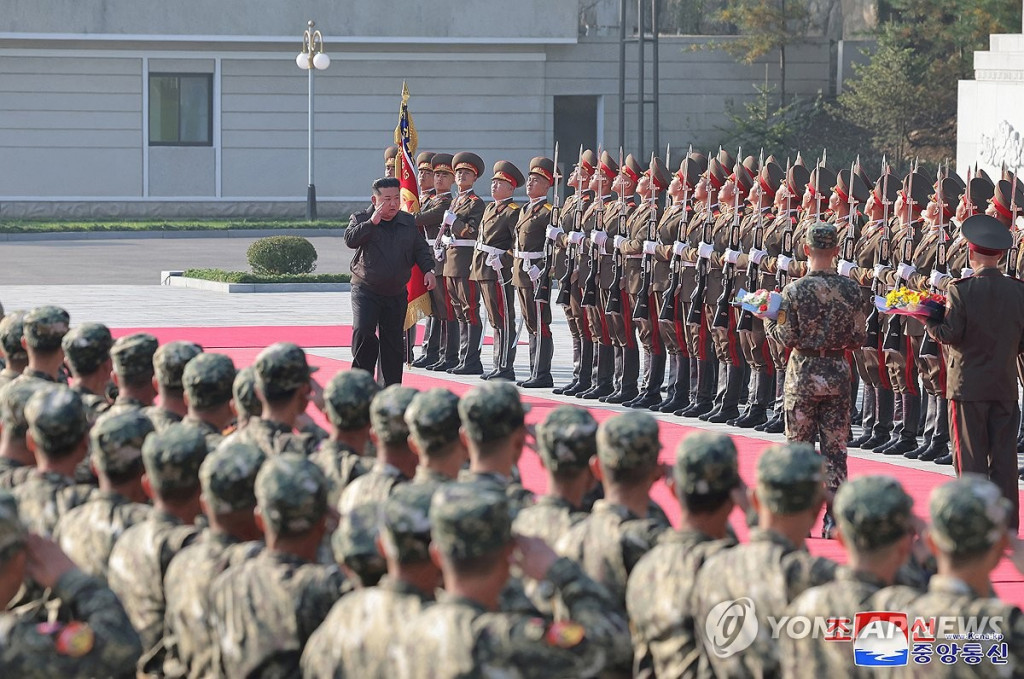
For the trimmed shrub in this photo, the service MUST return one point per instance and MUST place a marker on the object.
(279, 255)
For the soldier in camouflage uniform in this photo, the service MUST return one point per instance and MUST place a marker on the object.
(821, 318)
(244, 400)
(15, 356)
(87, 350)
(227, 477)
(433, 421)
(140, 557)
(343, 456)
(877, 526)
(58, 429)
(773, 568)
(263, 610)
(94, 639)
(494, 425)
(396, 463)
(354, 545)
(44, 328)
(207, 381)
(169, 363)
(16, 460)
(88, 532)
(132, 357)
(659, 595)
(466, 635)
(355, 638)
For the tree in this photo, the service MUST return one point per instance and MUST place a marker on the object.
(762, 123)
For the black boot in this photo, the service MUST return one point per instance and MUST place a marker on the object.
(681, 395)
(463, 347)
(588, 350)
(729, 409)
(448, 356)
(603, 378)
(431, 344)
(651, 395)
(542, 366)
(471, 365)
(616, 380)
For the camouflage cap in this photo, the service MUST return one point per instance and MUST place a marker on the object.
(170, 360)
(291, 493)
(207, 380)
(789, 478)
(45, 327)
(87, 346)
(873, 512)
(433, 419)
(387, 414)
(282, 367)
(243, 390)
(12, 329)
(405, 523)
(706, 465)
(969, 515)
(567, 439)
(348, 397)
(57, 419)
(228, 477)
(469, 520)
(492, 411)
(172, 458)
(133, 355)
(356, 535)
(628, 441)
(13, 398)
(822, 236)
(12, 530)
(116, 442)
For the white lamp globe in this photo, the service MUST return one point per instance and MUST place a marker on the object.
(302, 61)
(321, 61)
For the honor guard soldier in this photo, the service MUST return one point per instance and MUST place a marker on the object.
(440, 347)
(492, 266)
(390, 154)
(531, 228)
(462, 221)
(425, 175)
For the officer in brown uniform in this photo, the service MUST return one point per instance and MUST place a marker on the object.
(983, 331)
(492, 266)
(431, 219)
(462, 221)
(390, 153)
(428, 219)
(534, 220)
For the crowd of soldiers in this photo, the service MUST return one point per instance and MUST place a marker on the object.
(164, 514)
(647, 289)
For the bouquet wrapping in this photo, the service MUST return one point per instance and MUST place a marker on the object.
(907, 302)
(762, 303)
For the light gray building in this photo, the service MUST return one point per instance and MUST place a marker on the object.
(195, 107)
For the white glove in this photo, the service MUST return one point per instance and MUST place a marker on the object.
(649, 246)
(880, 270)
(757, 255)
(575, 237)
(449, 218)
(447, 240)
(704, 250)
(553, 232)
(936, 278)
(619, 240)
(678, 248)
(534, 273)
(493, 261)
(731, 256)
(966, 272)
(599, 238)
(905, 270)
(846, 267)
(439, 254)
(784, 262)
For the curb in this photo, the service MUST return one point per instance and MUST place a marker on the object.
(158, 235)
(174, 279)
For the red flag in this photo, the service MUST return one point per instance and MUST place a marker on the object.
(405, 170)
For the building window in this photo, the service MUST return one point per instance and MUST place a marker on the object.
(180, 109)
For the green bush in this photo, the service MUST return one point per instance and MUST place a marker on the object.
(222, 276)
(278, 255)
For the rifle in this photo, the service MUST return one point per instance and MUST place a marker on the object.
(565, 284)
(543, 292)
(643, 308)
(746, 321)
(894, 334)
(850, 242)
(699, 297)
(929, 347)
(1011, 256)
(668, 298)
(614, 302)
(874, 320)
(439, 240)
(724, 306)
(590, 284)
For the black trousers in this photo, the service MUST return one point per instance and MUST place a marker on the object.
(984, 435)
(377, 322)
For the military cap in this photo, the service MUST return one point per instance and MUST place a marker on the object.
(505, 170)
(387, 414)
(742, 178)
(390, 153)
(699, 159)
(347, 397)
(45, 327)
(14, 396)
(873, 512)
(725, 158)
(796, 180)
(170, 360)
(771, 159)
(354, 542)
(632, 168)
(228, 477)
(1001, 198)
(208, 379)
(954, 177)
(890, 186)
(544, 168)
(243, 390)
(752, 166)
(567, 439)
(433, 419)
(950, 191)
(689, 173)
(609, 168)
(425, 160)
(980, 192)
(628, 441)
(918, 187)
(706, 465)
(716, 173)
(12, 530)
(770, 177)
(844, 186)
(282, 367)
(87, 347)
(57, 418)
(133, 355)
(469, 520)
(442, 162)
(291, 492)
(116, 442)
(969, 515)
(658, 174)
(984, 175)
(986, 235)
(789, 478)
(820, 182)
(173, 456)
(492, 411)
(589, 161)
(822, 236)
(466, 160)
(11, 332)
(405, 523)
(858, 169)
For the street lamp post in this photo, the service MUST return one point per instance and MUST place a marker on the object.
(312, 58)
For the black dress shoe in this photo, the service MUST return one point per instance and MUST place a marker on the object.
(723, 416)
(442, 366)
(563, 389)
(859, 441)
(597, 392)
(645, 401)
(467, 370)
(760, 427)
(828, 526)
(900, 447)
(753, 420)
(507, 375)
(775, 426)
(709, 414)
(945, 460)
(623, 397)
(916, 453)
(883, 447)
(874, 442)
(674, 405)
(424, 361)
(934, 452)
(696, 409)
(538, 383)
(577, 390)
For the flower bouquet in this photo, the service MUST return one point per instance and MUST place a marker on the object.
(907, 302)
(763, 303)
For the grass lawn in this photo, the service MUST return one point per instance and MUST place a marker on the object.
(57, 226)
(222, 276)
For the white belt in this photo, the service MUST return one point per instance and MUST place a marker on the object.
(634, 256)
(497, 252)
(528, 255)
(686, 265)
(463, 243)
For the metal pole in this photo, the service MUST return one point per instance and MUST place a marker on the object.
(311, 189)
(654, 75)
(640, 57)
(622, 73)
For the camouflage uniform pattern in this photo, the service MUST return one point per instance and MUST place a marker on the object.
(375, 485)
(341, 465)
(275, 438)
(433, 420)
(45, 327)
(492, 411)
(348, 396)
(13, 397)
(207, 380)
(87, 347)
(387, 414)
(243, 391)
(281, 368)
(354, 543)
(821, 311)
(170, 360)
(291, 493)
(11, 332)
(567, 439)
(132, 357)
(405, 524)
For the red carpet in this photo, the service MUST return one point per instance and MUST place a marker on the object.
(259, 336)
